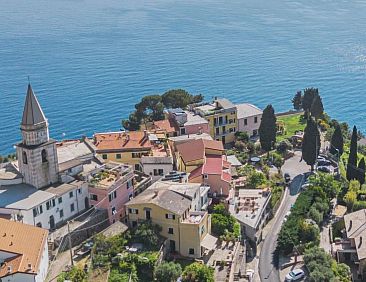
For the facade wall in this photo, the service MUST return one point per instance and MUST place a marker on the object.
(124, 192)
(20, 277)
(128, 157)
(217, 185)
(251, 127)
(225, 129)
(35, 172)
(149, 170)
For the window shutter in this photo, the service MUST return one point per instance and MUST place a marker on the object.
(34, 212)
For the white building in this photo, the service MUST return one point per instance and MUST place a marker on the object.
(23, 252)
(249, 118)
(41, 189)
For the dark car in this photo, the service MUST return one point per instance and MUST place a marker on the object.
(323, 169)
(287, 177)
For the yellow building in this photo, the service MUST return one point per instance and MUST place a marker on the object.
(123, 147)
(222, 117)
(187, 231)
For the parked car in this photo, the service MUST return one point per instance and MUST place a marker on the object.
(287, 178)
(295, 275)
(323, 169)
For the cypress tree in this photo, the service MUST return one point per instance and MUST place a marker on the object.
(337, 141)
(307, 100)
(311, 143)
(352, 158)
(297, 101)
(317, 108)
(267, 129)
(361, 171)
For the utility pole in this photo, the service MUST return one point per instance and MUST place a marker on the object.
(70, 245)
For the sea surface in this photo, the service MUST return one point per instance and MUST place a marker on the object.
(90, 61)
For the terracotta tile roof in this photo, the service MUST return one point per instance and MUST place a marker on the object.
(166, 124)
(226, 176)
(121, 141)
(26, 242)
(195, 149)
(197, 172)
(213, 165)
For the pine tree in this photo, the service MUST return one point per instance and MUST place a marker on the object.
(297, 101)
(267, 129)
(337, 142)
(352, 158)
(317, 108)
(361, 171)
(307, 100)
(311, 143)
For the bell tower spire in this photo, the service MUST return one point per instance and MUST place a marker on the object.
(37, 154)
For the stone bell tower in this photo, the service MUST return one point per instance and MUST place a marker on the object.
(37, 154)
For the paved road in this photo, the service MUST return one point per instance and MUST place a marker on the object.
(296, 169)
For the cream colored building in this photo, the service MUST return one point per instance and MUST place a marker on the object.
(187, 230)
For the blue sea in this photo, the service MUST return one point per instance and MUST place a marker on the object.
(90, 61)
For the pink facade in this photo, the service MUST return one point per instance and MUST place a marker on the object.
(114, 195)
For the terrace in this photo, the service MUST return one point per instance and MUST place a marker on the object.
(110, 175)
(195, 217)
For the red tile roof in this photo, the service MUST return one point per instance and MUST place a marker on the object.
(213, 166)
(166, 124)
(195, 149)
(120, 141)
(26, 242)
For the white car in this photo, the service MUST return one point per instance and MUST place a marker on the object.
(295, 275)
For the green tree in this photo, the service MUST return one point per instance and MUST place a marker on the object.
(350, 199)
(307, 100)
(297, 101)
(256, 179)
(168, 272)
(147, 233)
(133, 122)
(267, 129)
(198, 272)
(337, 142)
(179, 98)
(311, 143)
(317, 108)
(76, 274)
(319, 264)
(361, 171)
(352, 158)
(342, 272)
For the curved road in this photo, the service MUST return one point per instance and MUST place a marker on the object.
(268, 270)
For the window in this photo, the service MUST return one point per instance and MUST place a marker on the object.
(72, 207)
(133, 211)
(79, 191)
(129, 184)
(255, 119)
(182, 131)
(202, 229)
(44, 156)
(112, 195)
(50, 204)
(137, 167)
(170, 230)
(134, 224)
(191, 251)
(93, 197)
(37, 211)
(136, 155)
(114, 211)
(39, 224)
(170, 216)
(205, 176)
(159, 171)
(118, 156)
(245, 121)
(71, 194)
(105, 156)
(61, 213)
(25, 159)
(60, 200)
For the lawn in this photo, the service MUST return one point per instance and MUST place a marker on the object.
(292, 124)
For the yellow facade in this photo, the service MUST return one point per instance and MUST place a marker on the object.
(187, 236)
(130, 157)
(223, 126)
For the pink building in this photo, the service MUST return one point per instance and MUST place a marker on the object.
(215, 172)
(110, 188)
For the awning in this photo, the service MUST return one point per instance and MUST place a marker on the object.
(209, 242)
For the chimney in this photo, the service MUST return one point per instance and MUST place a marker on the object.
(29, 266)
(156, 193)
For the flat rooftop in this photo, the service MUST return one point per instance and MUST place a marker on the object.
(193, 119)
(108, 174)
(72, 149)
(9, 172)
(195, 217)
(247, 110)
(249, 206)
(184, 138)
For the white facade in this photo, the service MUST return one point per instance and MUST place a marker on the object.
(249, 118)
(156, 167)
